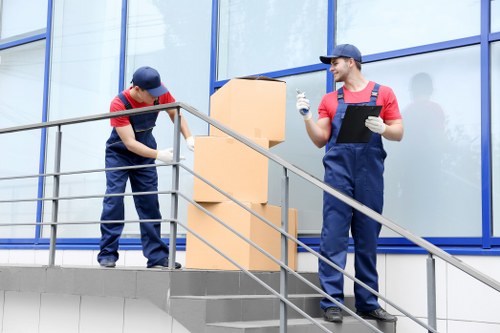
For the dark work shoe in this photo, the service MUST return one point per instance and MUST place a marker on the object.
(177, 265)
(333, 314)
(109, 263)
(378, 314)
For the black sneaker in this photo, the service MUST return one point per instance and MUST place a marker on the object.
(378, 314)
(109, 263)
(333, 314)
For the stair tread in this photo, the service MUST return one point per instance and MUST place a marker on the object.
(242, 296)
(275, 322)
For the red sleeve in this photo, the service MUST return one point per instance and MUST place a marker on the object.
(390, 107)
(166, 98)
(328, 106)
(117, 105)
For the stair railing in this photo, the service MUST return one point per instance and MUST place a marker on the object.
(432, 250)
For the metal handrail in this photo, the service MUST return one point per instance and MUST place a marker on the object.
(432, 249)
(79, 172)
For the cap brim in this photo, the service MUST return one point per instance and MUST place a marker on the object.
(156, 92)
(326, 59)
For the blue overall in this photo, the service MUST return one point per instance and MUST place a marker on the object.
(355, 169)
(141, 180)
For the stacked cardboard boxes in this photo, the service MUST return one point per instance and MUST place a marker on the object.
(255, 108)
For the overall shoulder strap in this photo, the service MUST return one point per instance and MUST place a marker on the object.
(374, 94)
(125, 101)
(340, 93)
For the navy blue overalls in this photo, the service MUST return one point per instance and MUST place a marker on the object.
(355, 169)
(141, 180)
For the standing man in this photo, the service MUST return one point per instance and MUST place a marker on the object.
(132, 143)
(355, 169)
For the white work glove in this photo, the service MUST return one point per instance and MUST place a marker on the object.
(190, 143)
(167, 155)
(375, 124)
(303, 106)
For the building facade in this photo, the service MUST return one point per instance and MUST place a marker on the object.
(61, 59)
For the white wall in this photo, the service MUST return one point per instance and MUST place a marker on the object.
(57, 313)
(74, 258)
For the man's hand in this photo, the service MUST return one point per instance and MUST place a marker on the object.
(166, 155)
(375, 124)
(190, 143)
(302, 106)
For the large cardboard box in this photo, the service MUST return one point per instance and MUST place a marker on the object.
(254, 107)
(233, 167)
(201, 256)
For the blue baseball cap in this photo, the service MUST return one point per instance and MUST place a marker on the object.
(148, 78)
(342, 51)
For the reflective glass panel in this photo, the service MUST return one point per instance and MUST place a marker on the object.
(84, 79)
(379, 26)
(261, 36)
(495, 15)
(21, 17)
(433, 176)
(21, 76)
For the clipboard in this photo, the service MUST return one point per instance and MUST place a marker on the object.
(353, 129)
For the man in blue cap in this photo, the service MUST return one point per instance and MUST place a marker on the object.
(356, 169)
(132, 143)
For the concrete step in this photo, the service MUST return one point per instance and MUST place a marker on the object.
(216, 308)
(232, 302)
(207, 282)
(195, 312)
(349, 325)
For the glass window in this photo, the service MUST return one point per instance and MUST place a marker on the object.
(433, 176)
(495, 15)
(84, 79)
(378, 26)
(262, 36)
(175, 38)
(21, 75)
(299, 150)
(21, 17)
(495, 133)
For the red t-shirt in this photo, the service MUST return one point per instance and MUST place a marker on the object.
(117, 105)
(386, 98)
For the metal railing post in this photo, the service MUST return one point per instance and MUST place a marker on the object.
(431, 292)
(284, 250)
(55, 201)
(174, 197)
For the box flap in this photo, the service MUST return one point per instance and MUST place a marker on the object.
(259, 77)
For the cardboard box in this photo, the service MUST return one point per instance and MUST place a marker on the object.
(233, 167)
(254, 107)
(201, 256)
